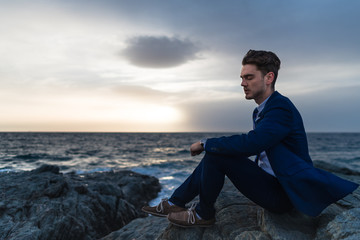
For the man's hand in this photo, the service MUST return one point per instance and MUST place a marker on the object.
(196, 149)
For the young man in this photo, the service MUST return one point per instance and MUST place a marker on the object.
(281, 178)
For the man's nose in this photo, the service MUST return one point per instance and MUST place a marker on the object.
(243, 83)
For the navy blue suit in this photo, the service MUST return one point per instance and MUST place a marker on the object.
(279, 131)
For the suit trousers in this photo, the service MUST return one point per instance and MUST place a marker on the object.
(253, 182)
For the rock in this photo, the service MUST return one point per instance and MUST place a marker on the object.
(45, 204)
(240, 219)
(344, 226)
(252, 235)
(292, 225)
(140, 229)
(47, 168)
(335, 168)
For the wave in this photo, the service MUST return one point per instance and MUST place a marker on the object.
(179, 152)
(6, 170)
(34, 157)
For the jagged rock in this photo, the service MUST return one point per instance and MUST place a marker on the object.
(344, 226)
(292, 225)
(140, 229)
(45, 204)
(252, 235)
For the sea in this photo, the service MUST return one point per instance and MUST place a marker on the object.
(165, 156)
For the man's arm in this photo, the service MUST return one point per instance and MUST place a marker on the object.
(270, 130)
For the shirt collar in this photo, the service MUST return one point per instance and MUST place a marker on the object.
(262, 105)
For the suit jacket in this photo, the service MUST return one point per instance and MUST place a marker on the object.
(279, 130)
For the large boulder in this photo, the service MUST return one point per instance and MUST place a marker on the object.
(45, 204)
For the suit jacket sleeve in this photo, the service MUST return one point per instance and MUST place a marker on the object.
(274, 124)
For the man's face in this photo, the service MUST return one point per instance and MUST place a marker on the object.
(254, 83)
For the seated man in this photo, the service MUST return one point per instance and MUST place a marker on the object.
(281, 178)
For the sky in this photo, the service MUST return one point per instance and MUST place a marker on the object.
(173, 66)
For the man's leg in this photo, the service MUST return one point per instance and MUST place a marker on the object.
(182, 195)
(257, 185)
(208, 178)
(189, 189)
(206, 181)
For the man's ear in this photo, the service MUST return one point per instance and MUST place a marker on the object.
(269, 78)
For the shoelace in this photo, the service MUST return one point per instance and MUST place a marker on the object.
(160, 207)
(191, 217)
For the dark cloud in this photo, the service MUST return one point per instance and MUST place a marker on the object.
(300, 31)
(159, 52)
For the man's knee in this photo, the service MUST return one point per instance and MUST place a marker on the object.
(210, 158)
(220, 159)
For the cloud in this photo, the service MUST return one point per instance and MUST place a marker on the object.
(159, 52)
(140, 92)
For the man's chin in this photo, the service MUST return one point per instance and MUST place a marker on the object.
(248, 97)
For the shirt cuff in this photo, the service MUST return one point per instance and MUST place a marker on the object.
(203, 142)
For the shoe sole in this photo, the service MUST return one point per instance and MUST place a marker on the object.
(155, 214)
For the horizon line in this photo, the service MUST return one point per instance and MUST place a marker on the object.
(160, 132)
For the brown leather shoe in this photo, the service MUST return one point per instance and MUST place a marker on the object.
(162, 209)
(189, 218)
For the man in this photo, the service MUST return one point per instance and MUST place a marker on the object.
(281, 178)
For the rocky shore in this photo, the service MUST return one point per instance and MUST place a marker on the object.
(46, 204)
(237, 218)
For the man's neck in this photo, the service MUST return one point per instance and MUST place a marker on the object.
(264, 97)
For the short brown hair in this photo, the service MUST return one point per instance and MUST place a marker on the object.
(265, 61)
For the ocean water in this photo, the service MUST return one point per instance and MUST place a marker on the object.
(163, 155)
